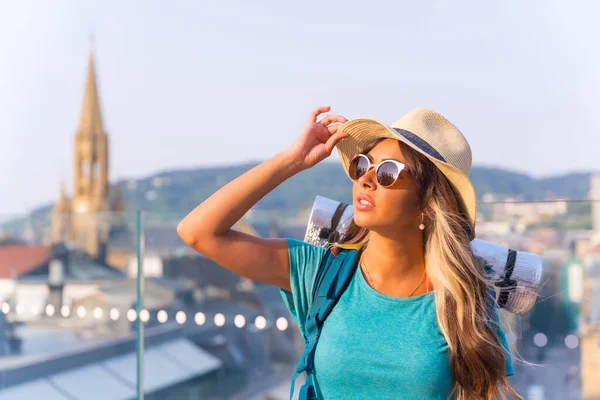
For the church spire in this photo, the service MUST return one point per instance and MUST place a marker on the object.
(62, 205)
(91, 117)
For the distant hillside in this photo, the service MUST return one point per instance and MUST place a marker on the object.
(499, 181)
(182, 190)
(169, 195)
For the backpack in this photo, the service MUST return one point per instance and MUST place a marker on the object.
(335, 273)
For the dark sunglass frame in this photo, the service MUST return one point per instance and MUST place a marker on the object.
(360, 157)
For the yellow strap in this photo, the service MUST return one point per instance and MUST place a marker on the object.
(346, 246)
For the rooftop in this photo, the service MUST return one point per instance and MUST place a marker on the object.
(20, 259)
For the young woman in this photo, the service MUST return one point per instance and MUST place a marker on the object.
(417, 321)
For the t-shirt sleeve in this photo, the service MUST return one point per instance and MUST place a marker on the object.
(304, 259)
(494, 322)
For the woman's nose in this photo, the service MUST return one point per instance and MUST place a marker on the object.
(369, 179)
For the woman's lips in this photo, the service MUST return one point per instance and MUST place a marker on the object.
(364, 203)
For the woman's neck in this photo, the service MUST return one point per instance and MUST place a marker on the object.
(395, 259)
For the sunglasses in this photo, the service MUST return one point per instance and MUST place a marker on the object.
(387, 171)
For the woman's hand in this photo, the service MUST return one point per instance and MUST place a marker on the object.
(317, 140)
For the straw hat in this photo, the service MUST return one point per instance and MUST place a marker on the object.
(427, 132)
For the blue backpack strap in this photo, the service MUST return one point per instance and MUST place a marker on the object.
(333, 277)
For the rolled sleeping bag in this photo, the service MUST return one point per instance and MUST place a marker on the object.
(516, 275)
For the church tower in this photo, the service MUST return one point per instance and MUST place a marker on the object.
(84, 220)
(90, 167)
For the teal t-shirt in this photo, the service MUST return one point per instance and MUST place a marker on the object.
(373, 345)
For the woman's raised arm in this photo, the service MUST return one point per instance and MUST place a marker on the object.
(207, 228)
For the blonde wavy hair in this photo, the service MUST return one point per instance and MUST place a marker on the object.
(463, 301)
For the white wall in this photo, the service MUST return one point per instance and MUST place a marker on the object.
(152, 267)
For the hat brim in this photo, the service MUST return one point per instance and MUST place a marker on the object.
(362, 131)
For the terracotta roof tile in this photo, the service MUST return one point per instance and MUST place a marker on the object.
(18, 260)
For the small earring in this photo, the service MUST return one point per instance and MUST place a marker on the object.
(422, 226)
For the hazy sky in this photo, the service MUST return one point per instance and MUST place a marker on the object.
(187, 83)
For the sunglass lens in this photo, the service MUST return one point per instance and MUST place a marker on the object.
(358, 167)
(387, 173)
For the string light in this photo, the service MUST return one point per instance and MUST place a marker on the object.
(114, 314)
(50, 310)
(180, 317)
(282, 324)
(131, 315)
(260, 322)
(219, 320)
(571, 341)
(145, 315)
(200, 318)
(162, 316)
(540, 340)
(239, 321)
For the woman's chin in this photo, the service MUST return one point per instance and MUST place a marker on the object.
(363, 221)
